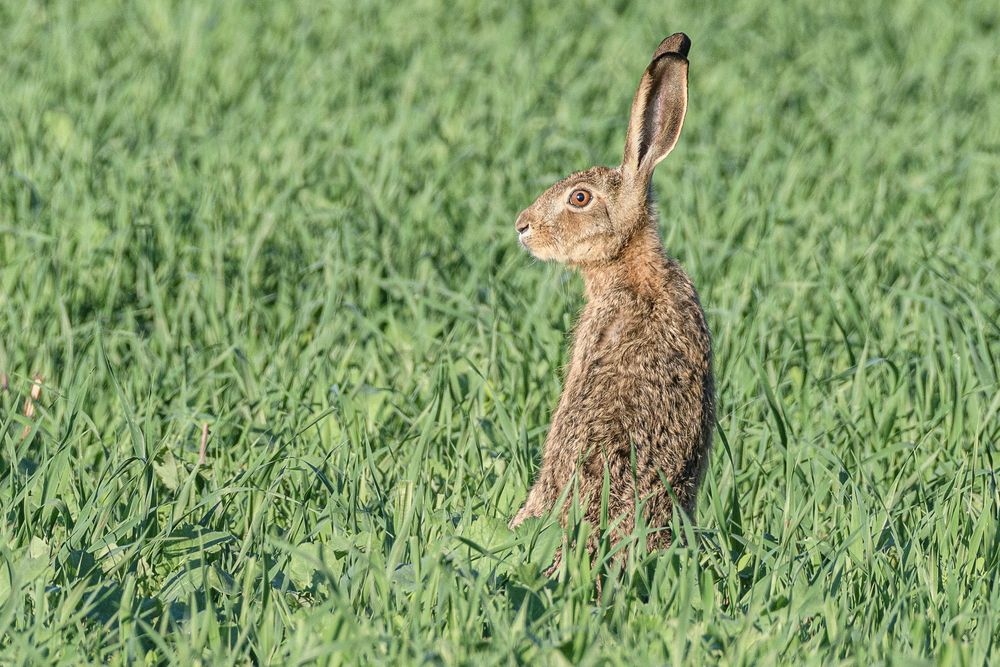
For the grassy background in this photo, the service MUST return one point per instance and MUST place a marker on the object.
(293, 223)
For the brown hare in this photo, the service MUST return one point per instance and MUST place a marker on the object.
(640, 376)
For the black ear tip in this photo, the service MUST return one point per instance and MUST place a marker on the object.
(676, 43)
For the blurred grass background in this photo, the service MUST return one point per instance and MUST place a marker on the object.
(292, 222)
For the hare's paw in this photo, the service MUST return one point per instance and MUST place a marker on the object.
(534, 506)
(519, 518)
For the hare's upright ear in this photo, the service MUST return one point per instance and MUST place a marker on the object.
(658, 109)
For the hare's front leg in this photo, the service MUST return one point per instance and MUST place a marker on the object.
(557, 467)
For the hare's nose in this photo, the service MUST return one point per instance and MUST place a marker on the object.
(521, 224)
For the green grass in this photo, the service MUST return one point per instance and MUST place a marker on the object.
(294, 224)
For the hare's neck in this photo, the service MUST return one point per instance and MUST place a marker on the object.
(640, 269)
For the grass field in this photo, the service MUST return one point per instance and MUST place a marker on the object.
(294, 225)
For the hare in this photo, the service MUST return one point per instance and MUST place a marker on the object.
(639, 382)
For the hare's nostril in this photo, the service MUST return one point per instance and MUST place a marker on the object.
(521, 224)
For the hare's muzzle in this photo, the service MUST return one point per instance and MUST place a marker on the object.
(522, 224)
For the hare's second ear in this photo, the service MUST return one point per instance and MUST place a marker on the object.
(658, 109)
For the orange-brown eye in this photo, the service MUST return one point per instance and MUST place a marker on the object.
(580, 198)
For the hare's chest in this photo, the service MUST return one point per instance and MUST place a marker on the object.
(601, 344)
(620, 355)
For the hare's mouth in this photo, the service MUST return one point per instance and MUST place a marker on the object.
(522, 237)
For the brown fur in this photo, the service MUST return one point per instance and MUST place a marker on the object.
(640, 376)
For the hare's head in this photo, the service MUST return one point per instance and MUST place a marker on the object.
(590, 216)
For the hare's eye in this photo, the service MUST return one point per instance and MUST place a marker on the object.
(580, 198)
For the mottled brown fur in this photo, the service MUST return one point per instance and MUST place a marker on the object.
(640, 376)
